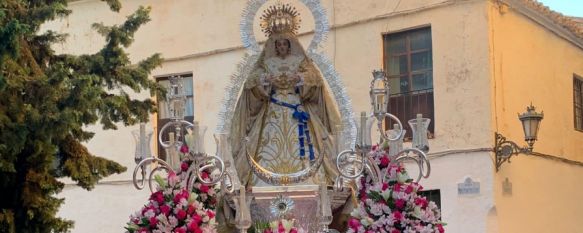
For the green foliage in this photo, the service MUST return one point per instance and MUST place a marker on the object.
(47, 100)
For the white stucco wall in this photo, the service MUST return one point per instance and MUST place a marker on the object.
(188, 28)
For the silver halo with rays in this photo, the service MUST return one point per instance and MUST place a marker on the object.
(281, 205)
(328, 71)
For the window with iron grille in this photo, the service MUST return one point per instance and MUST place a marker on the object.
(164, 115)
(578, 102)
(409, 66)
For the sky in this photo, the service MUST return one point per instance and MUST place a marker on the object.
(566, 7)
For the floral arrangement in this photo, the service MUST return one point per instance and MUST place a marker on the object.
(206, 194)
(282, 226)
(394, 204)
(172, 208)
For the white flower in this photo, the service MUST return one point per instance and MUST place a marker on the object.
(386, 194)
(149, 214)
(173, 221)
(287, 224)
(402, 177)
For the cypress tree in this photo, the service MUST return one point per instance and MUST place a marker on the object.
(48, 99)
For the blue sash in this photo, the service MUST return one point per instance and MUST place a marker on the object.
(302, 117)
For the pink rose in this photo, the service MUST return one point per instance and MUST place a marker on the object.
(280, 228)
(181, 215)
(293, 230)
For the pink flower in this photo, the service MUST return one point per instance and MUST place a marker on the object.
(143, 230)
(374, 147)
(184, 167)
(293, 230)
(153, 222)
(354, 224)
(204, 175)
(280, 228)
(409, 189)
(385, 186)
(421, 202)
(157, 197)
(400, 203)
(197, 219)
(191, 209)
(184, 148)
(165, 209)
(397, 215)
(385, 161)
(395, 231)
(180, 230)
(440, 228)
(193, 226)
(397, 187)
(204, 188)
(181, 215)
(210, 213)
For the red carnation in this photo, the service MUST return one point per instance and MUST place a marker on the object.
(153, 222)
(184, 167)
(385, 186)
(181, 215)
(165, 209)
(197, 219)
(354, 224)
(210, 213)
(409, 189)
(180, 230)
(400, 203)
(184, 148)
(203, 188)
(157, 197)
(440, 228)
(385, 161)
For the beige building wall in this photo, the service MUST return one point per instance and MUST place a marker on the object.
(532, 62)
(202, 37)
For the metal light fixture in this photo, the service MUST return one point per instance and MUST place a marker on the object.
(504, 149)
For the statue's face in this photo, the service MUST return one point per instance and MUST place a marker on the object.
(282, 46)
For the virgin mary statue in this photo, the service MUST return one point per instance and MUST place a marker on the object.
(284, 117)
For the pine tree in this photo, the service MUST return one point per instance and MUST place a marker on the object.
(46, 100)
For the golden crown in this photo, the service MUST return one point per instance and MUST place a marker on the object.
(281, 18)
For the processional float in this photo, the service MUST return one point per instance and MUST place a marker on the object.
(285, 196)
